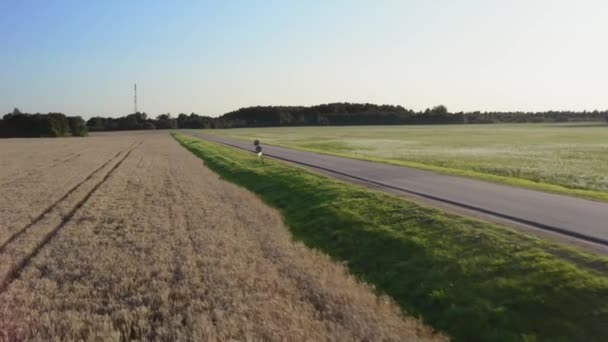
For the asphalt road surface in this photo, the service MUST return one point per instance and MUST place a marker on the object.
(568, 216)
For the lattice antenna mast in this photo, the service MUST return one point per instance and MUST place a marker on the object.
(135, 97)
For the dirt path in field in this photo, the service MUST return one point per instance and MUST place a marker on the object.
(158, 247)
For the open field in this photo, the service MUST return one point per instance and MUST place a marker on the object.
(36, 173)
(129, 236)
(472, 279)
(563, 158)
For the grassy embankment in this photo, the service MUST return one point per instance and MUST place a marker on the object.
(569, 159)
(470, 279)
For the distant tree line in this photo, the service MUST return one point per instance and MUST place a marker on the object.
(370, 114)
(139, 121)
(533, 117)
(17, 124)
(135, 121)
(335, 114)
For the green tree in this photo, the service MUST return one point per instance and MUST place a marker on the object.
(441, 110)
(78, 127)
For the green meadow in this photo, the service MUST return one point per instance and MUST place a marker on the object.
(568, 158)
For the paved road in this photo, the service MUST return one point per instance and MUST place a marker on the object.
(574, 217)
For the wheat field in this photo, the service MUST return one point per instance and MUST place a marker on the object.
(128, 236)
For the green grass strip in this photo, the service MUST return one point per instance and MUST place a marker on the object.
(538, 184)
(594, 195)
(473, 280)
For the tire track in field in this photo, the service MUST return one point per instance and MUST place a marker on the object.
(56, 203)
(61, 199)
(68, 159)
(15, 270)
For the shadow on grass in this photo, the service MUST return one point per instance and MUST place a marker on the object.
(471, 279)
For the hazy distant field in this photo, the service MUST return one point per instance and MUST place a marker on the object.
(570, 155)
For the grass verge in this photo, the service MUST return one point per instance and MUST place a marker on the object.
(593, 195)
(471, 279)
(343, 150)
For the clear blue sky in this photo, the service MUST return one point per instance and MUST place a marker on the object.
(210, 57)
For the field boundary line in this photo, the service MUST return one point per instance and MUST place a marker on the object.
(16, 270)
(534, 224)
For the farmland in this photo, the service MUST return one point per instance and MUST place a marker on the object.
(471, 279)
(562, 158)
(129, 236)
